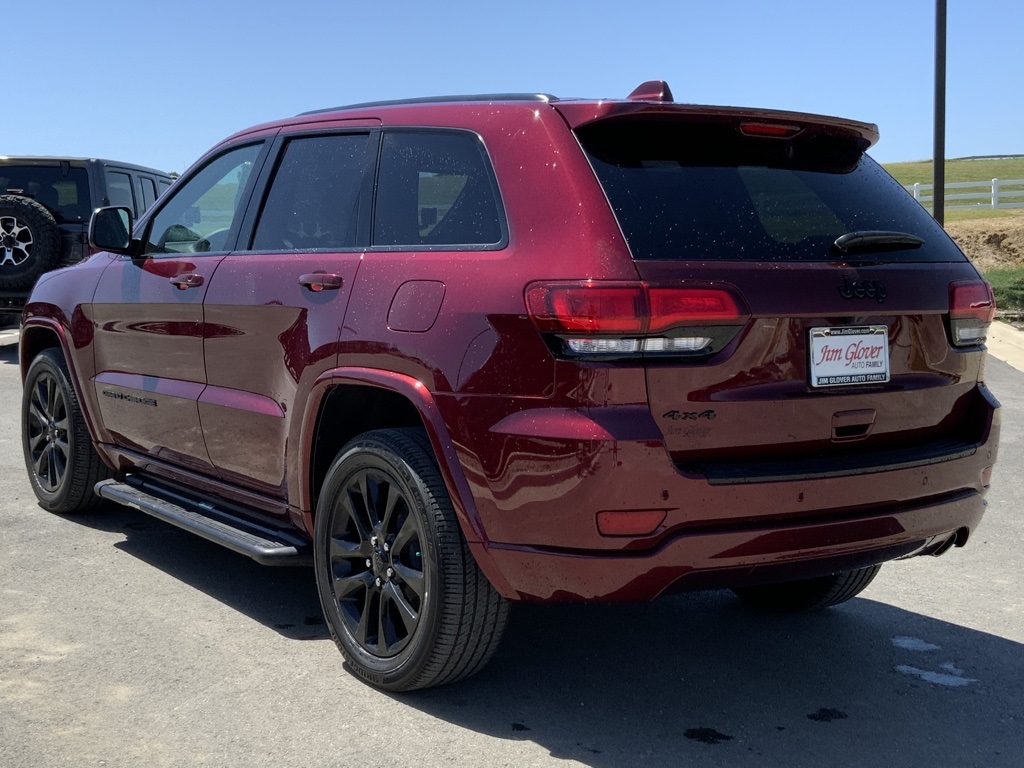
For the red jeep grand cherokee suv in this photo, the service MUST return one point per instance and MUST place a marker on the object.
(462, 351)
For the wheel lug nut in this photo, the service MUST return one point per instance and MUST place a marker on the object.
(391, 572)
(369, 563)
(373, 541)
(387, 548)
(378, 582)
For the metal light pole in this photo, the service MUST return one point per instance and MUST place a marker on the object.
(939, 153)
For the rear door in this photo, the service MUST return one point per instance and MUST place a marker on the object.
(149, 315)
(831, 349)
(275, 308)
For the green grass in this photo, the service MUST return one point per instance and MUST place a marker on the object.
(1008, 287)
(965, 170)
(969, 214)
(959, 170)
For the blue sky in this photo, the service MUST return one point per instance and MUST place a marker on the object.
(158, 83)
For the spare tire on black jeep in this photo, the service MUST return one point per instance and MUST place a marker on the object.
(29, 242)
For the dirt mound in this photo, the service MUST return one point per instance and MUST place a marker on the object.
(991, 243)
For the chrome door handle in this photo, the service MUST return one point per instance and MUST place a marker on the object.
(184, 282)
(321, 281)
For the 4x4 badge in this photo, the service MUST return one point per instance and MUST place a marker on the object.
(688, 415)
(863, 289)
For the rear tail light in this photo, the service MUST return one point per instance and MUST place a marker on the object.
(972, 308)
(594, 318)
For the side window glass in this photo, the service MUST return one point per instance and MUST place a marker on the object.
(164, 186)
(119, 190)
(435, 189)
(313, 202)
(199, 216)
(148, 192)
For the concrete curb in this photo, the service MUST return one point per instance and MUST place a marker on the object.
(1007, 344)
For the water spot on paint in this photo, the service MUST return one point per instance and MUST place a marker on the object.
(827, 715)
(706, 735)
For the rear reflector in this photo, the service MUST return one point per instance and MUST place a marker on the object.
(630, 522)
(972, 308)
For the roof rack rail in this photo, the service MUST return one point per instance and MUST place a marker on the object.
(439, 100)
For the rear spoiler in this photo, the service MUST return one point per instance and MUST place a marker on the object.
(580, 113)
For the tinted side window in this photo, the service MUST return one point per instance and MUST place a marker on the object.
(435, 189)
(148, 191)
(119, 190)
(198, 218)
(313, 202)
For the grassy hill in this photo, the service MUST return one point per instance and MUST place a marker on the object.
(992, 238)
(962, 169)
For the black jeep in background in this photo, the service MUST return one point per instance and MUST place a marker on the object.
(45, 205)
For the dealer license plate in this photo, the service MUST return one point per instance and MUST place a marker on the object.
(844, 356)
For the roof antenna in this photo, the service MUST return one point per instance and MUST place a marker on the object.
(652, 90)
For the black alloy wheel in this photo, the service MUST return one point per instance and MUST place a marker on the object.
(377, 562)
(403, 597)
(62, 464)
(47, 432)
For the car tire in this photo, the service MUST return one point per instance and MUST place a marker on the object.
(403, 597)
(62, 463)
(29, 242)
(809, 594)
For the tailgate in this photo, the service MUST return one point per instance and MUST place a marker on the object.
(758, 400)
(840, 357)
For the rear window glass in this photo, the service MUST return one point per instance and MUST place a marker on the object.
(313, 202)
(64, 191)
(435, 189)
(706, 192)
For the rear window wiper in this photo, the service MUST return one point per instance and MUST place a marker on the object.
(869, 240)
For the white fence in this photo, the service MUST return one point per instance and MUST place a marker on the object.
(998, 193)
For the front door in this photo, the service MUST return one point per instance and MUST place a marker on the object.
(149, 316)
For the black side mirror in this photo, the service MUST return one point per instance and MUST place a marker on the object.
(110, 229)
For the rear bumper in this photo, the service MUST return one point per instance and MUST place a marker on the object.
(550, 472)
(727, 558)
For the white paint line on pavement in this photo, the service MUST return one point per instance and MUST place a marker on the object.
(913, 644)
(952, 678)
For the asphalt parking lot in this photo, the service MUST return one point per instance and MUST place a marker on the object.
(126, 642)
